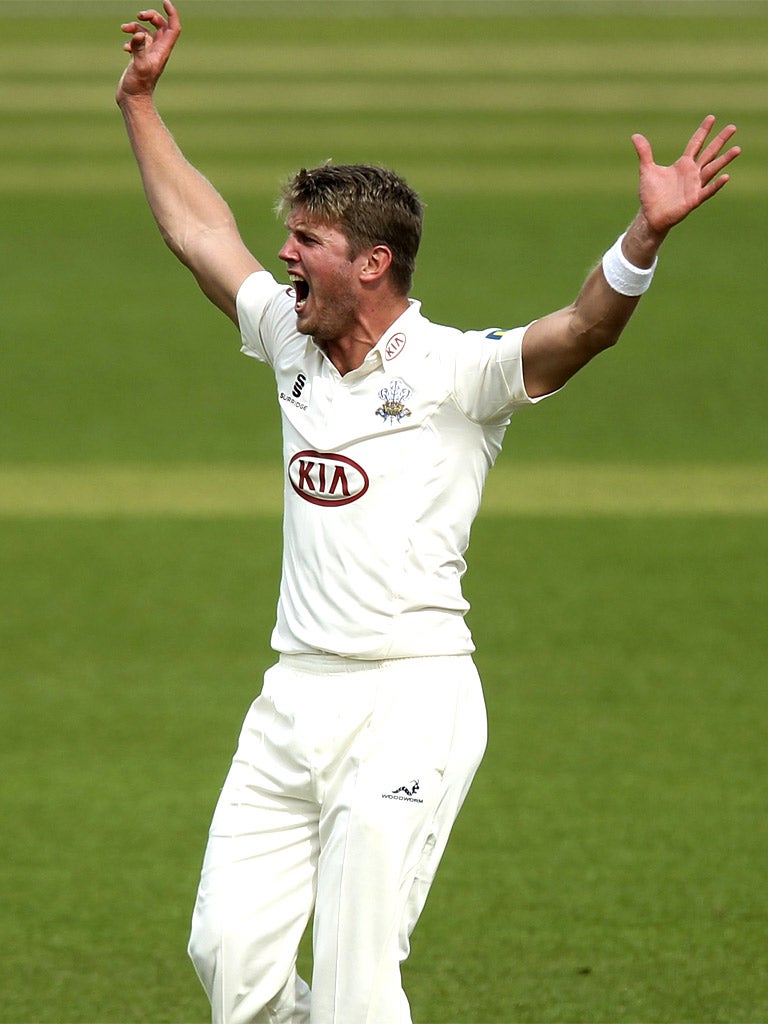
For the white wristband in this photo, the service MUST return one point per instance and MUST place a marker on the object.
(623, 276)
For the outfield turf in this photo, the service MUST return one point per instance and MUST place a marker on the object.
(610, 862)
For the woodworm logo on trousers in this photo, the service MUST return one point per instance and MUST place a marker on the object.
(406, 793)
(324, 478)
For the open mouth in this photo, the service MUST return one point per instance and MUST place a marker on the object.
(300, 289)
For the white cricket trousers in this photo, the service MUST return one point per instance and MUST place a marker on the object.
(342, 793)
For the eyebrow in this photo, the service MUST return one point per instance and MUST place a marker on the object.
(303, 228)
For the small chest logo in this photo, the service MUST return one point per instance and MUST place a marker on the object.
(394, 346)
(297, 396)
(393, 398)
(327, 479)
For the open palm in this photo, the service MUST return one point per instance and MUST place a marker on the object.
(669, 194)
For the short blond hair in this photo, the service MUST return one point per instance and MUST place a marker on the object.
(371, 205)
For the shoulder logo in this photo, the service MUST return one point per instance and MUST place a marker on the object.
(394, 346)
(496, 334)
(323, 478)
(393, 398)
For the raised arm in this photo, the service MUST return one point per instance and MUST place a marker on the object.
(195, 222)
(558, 345)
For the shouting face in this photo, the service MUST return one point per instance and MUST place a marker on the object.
(325, 279)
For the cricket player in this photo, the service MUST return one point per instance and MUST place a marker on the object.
(356, 757)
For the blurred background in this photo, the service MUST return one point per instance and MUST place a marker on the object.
(610, 862)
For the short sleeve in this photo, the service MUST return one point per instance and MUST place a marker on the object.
(264, 314)
(489, 384)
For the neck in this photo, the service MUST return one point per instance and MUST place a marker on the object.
(348, 351)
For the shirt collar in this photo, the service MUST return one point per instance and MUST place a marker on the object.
(390, 344)
(395, 339)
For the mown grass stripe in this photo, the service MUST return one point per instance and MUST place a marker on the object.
(259, 61)
(345, 11)
(615, 489)
(490, 136)
(224, 490)
(529, 178)
(411, 97)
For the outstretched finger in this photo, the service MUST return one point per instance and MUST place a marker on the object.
(713, 168)
(698, 138)
(716, 145)
(642, 148)
(715, 186)
(172, 15)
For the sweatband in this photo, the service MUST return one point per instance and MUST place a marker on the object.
(624, 277)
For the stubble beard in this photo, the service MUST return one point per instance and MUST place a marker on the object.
(330, 320)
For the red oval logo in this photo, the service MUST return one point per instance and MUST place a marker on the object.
(394, 346)
(327, 479)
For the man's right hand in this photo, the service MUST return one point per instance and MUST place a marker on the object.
(196, 223)
(149, 50)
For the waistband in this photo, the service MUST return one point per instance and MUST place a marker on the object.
(335, 664)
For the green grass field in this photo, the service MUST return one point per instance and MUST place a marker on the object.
(609, 865)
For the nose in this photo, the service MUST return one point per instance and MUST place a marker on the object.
(288, 252)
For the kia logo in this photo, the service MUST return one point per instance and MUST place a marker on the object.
(327, 479)
(394, 346)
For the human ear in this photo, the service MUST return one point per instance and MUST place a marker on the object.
(376, 263)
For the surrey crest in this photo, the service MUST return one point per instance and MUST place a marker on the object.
(393, 398)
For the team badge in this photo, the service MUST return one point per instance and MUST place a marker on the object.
(393, 398)
(496, 335)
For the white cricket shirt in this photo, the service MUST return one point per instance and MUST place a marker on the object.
(384, 471)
